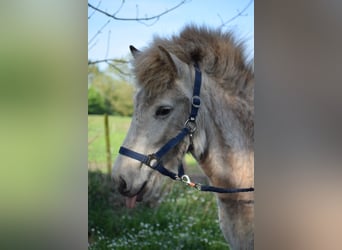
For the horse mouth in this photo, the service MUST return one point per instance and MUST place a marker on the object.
(141, 192)
(138, 197)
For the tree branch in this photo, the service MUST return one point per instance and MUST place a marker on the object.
(108, 42)
(110, 62)
(92, 46)
(240, 13)
(98, 5)
(99, 31)
(107, 60)
(137, 18)
(118, 10)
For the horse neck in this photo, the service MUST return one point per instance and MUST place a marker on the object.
(224, 150)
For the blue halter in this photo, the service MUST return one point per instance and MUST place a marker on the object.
(154, 160)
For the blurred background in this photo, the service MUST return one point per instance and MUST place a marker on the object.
(44, 143)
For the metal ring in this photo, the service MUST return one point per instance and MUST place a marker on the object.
(196, 97)
(191, 125)
(152, 161)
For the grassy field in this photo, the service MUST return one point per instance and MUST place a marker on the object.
(182, 219)
(118, 127)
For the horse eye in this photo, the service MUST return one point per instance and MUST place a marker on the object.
(163, 111)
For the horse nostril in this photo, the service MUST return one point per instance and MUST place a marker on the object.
(122, 185)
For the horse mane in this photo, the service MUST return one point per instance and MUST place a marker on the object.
(218, 54)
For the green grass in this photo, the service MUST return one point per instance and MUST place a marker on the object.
(184, 219)
(118, 127)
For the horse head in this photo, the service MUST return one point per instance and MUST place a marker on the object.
(161, 107)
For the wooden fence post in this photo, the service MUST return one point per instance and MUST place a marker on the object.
(109, 156)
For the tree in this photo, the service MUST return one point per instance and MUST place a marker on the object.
(96, 104)
(121, 99)
(113, 84)
(114, 15)
(108, 93)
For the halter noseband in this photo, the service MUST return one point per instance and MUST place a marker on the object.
(154, 160)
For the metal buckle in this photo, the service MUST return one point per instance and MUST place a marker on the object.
(191, 125)
(152, 161)
(194, 99)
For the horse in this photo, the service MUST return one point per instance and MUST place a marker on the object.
(223, 138)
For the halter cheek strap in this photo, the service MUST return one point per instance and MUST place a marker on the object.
(154, 160)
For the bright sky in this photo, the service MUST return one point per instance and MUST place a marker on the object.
(116, 36)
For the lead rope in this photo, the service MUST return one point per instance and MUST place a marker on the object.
(205, 188)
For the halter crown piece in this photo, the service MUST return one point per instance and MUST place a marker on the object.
(154, 160)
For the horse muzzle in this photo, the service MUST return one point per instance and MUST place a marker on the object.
(132, 195)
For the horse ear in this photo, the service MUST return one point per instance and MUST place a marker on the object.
(172, 59)
(135, 52)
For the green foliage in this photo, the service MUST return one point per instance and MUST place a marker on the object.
(121, 99)
(109, 93)
(96, 103)
(184, 219)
